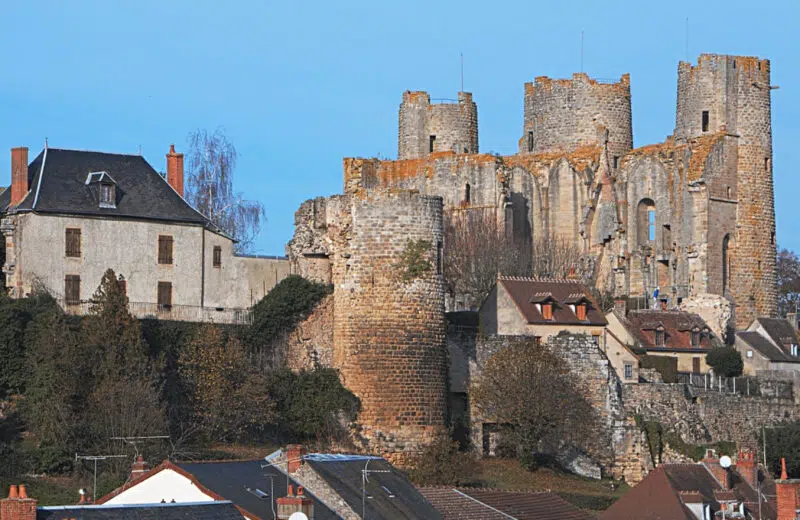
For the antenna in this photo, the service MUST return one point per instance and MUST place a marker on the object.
(462, 70)
(133, 441)
(45, 143)
(687, 38)
(95, 458)
(364, 479)
(581, 50)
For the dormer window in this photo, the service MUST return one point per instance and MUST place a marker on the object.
(107, 196)
(660, 337)
(696, 338)
(547, 311)
(580, 311)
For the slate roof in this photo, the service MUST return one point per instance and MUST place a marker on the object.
(677, 326)
(198, 511)
(492, 504)
(141, 192)
(780, 331)
(762, 345)
(240, 482)
(390, 494)
(527, 292)
(665, 492)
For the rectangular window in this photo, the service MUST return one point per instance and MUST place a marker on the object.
(766, 164)
(73, 243)
(530, 141)
(651, 225)
(616, 161)
(628, 371)
(695, 339)
(217, 256)
(660, 338)
(696, 365)
(72, 289)
(580, 311)
(164, 296)
(432, 141)
(107, 195)
(164, 249)
(439, 259)
(547, 311)
(749, 353)
(705, 120)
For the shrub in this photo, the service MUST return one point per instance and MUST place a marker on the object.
(442, 463)
(726, 361)
(414, 260)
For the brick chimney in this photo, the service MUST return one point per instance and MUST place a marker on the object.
(18, 506)
(139, 468)
(19, 174)
(292, 503)
(711, 461)
(786, 490)
(746, 466)
(175, 170)
(294, 454)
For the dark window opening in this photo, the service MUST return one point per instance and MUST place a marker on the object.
(73, 243)
(705, 120)
(660, 338)
(616, 161)
(772, 239)
(72, 289)
(695, 338)
(432, 141)
(164, 249)
(439, 257)
(766, 164)
(123, 285)
(217, 256)
(530, 141)
(696, 365)
(467, 193)
(725, 263)
(729, 192)
(666, 237)
(646, 216)
(164, 296)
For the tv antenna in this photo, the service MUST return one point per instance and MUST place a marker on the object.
(134, 441)
(364, 479)
(461, 54)
(581, 50)
(94, 459)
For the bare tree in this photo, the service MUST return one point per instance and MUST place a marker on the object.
(548, 406)
(211, 162)
(788, 274)
(478, 247)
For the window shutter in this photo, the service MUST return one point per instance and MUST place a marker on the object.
(164, 295)
(73, 242)
(217, 256)
(72, 289)
(164, 249)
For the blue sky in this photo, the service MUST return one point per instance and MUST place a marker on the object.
(298, 85)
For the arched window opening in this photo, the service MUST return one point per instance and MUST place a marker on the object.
(725, 263)
(467, 194)
(646, 216)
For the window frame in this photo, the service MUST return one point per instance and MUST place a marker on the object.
(72, 289)
(628, 370)
(705, 120)
(547, 310)
(72, 252)
(164, 306)
(109, 189)
(581, 311)
(166, 257)
(695, 338)
(662, 336)
(216, 259)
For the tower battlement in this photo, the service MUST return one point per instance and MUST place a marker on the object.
(425, 127)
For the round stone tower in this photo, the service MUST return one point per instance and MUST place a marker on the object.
(564, 114)
(732, 95)
(389, 331)
(424, 128)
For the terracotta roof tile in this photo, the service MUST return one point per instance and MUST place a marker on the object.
(493, 504)
(677, 325)
(527, 292)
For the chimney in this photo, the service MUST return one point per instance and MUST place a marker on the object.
(17, 506)
(294, 455)
(621, 306)
(711, 461)
(746, 467)
(292, 503)
(786, 490)
(175, 170)
(19, 174)
(139, 468)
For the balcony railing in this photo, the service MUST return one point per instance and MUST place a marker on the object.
(144, 310)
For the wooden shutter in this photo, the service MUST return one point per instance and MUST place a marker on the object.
(547, 311)
(164, 295)
(581, 311)
(73, 242)
(72, 289)
(164, 249)
(217, 256)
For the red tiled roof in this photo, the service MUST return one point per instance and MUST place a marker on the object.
(491, 504)
(677, 326)
(527, 292)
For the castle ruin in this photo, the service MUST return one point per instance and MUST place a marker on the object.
(692, 216)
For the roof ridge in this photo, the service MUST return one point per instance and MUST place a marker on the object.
(83, 150)
(536, 279)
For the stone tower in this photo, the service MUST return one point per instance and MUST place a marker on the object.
(440, 127)
(732, 95)
(389, 334)
(564, 114)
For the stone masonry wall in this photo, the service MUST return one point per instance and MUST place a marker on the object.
(454, 125)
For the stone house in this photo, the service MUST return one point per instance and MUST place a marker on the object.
(619, 351)
(69, 215)
(769, 344)
(676, 334)
(541, 308)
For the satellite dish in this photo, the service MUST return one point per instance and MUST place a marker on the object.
(725, 461)
(298, 516)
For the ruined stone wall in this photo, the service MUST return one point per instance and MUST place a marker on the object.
(310, 343)
(454, 126)
(564, 114)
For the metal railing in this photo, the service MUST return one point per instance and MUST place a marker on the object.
(743, 385)
(195, 313)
